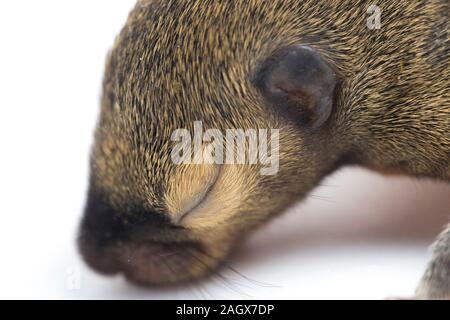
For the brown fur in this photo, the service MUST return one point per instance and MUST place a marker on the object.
(176, 62)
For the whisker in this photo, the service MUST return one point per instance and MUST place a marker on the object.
(171, 271)
(202, 291)
(254, 281)
(322, 198)
(325, 185)
(163, 255)
(234, 270)
(217, 274)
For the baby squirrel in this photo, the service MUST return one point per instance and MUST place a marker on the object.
(338, 90)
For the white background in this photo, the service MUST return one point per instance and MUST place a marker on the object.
(358, 236)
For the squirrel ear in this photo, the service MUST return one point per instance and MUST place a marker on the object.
(297, 81)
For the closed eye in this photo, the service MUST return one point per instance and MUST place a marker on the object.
(189, 188)
(199, 198)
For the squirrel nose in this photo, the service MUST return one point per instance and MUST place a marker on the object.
(104, 230)
(103, 259)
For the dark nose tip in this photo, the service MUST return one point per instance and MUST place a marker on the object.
(133, 241)
(102, 258)
(99, 232)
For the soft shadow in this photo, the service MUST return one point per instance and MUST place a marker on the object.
(355, 207)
